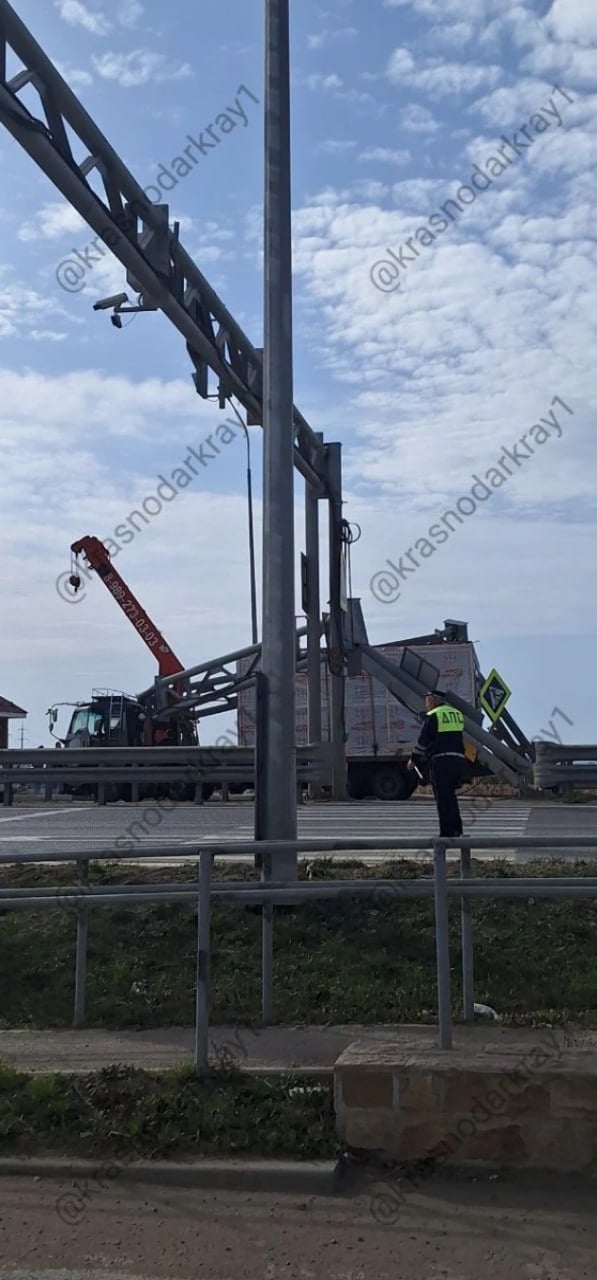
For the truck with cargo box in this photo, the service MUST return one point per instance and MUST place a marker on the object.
(380, 731)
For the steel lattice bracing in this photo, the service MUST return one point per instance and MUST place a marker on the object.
(212, 687)
(134, 229)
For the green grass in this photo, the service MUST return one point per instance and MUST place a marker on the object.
(349, 961)
(121, 1111)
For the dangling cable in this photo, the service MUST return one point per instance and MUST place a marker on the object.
(348, 534)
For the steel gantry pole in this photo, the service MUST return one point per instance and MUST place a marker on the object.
(278, 775)
(313, 613)
(336, 628)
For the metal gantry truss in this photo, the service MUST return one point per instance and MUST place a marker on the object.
(213, 686)
(136, 231)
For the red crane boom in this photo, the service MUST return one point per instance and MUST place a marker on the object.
(98, 559)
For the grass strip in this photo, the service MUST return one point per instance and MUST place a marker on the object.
(123, 1112)
(334, 962)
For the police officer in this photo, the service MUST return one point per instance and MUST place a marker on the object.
(440, 747)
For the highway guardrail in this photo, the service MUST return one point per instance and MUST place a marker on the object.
(102, 767)
(564, 765)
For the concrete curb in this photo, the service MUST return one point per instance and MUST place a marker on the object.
(313, 1177)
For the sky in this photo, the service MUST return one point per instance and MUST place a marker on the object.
(442, 356)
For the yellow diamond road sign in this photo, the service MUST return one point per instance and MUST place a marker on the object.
(493, 695)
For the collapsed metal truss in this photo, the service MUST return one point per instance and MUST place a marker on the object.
(213, 686)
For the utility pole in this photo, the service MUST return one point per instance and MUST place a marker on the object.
(277, 804)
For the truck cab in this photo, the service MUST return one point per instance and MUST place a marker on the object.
(108, 720)
(113, 719)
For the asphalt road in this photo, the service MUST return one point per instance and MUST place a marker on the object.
(58, 826)
(486, 1228)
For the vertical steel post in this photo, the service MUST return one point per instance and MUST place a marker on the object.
(252, 571)
(278, 604)
(313, 623)
(337, 728)
(466, 919)
(81, 953)
(442, 945)
(203, 954)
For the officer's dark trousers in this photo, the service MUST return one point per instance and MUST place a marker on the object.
(446, 773)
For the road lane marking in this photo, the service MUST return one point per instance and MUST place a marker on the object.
(40, 813)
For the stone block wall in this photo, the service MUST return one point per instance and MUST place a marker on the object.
(524, 1100)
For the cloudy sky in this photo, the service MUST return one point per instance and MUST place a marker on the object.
(429, 350)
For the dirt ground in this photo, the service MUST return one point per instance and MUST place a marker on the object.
(499, 1228)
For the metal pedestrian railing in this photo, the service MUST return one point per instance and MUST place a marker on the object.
(81, 898)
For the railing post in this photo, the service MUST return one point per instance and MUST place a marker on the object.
(203, 957)
(466, 919)
(7, 790)
(81, 954)
(442, 945)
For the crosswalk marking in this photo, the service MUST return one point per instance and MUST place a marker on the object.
(188, 826)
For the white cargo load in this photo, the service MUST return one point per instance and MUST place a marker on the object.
(372, 714)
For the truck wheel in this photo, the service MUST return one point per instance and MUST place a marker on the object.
(391, 784)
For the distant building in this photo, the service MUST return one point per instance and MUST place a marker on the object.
(8, 711)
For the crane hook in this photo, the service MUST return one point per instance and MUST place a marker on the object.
(75, 577)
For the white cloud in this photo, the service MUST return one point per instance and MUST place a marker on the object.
(54, 220)
(326, 83)
(385, 155)
(475, 334)
(516, 103)
(76, 79)
(574, 20)
(417, 119)
(23, 310)
(479, 11)
(566, 62)
(47, 335)
(78, 15)
(439, 78)
(129, 12)
(330, 37)
(455, 35)
(332, 147)
(117, 407)
(139, 67)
